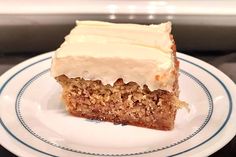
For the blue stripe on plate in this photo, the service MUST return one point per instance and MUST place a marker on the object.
(229, 113)
(26, 85)
(223, 125)
(2, 123)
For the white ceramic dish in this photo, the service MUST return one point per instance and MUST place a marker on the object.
(33, 121)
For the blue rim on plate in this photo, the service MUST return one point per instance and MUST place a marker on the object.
(22, 121)
(139, 153)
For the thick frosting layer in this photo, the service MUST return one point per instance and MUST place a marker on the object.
(107, 51)
(152, 36)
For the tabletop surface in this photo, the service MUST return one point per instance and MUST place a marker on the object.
(224, 62)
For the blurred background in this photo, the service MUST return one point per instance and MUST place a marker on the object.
(205, 29)
(40, 26)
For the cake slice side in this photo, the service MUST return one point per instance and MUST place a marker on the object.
(122, 103)
(120, 81)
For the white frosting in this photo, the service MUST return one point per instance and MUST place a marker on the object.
(107, 51)
(155, 36)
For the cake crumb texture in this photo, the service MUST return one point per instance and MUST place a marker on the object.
(122, 103)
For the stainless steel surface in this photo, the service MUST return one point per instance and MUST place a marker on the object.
(29, 33)
(176, 7)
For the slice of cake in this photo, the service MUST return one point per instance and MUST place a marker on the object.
(122, 73)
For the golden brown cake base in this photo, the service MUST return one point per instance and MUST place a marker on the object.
(121, 103)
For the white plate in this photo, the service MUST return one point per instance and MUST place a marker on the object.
(35, 123)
